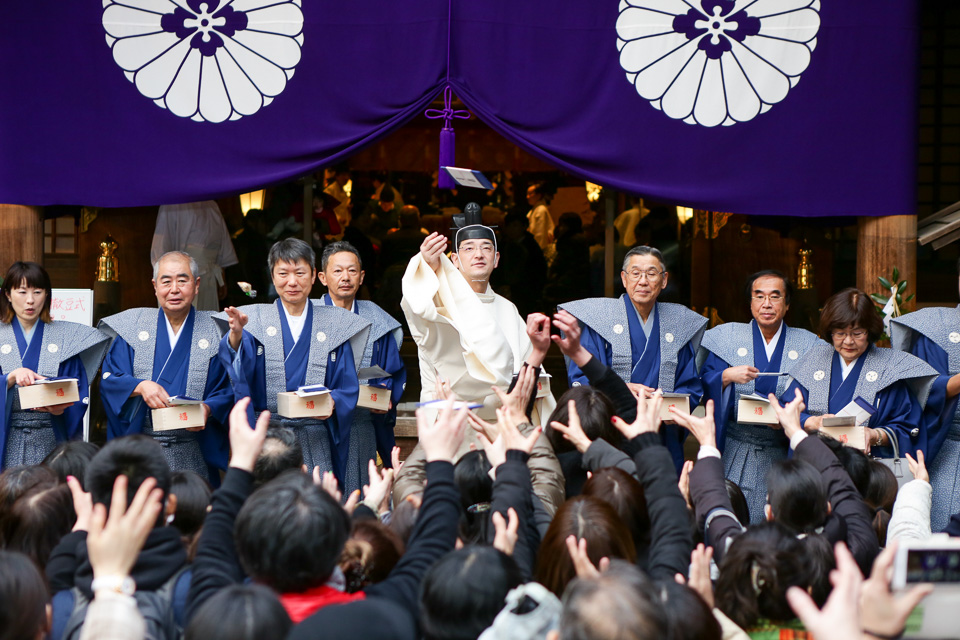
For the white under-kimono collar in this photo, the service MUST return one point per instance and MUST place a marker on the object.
(845, 368)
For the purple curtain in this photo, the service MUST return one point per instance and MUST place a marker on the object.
(776, 107)
(146, 102)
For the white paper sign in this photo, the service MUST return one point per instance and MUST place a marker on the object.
(73, 305)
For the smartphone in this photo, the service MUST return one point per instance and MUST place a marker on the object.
(554, 329)
(934, 561)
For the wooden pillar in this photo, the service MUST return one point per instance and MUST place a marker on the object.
(21, 234)
(885, 242)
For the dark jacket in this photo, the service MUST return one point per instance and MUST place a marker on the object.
(849, 519)
(513, 488)
(394, 602)
(671, 540)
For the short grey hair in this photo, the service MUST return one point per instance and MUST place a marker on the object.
(292, 250)
(643, 250)
(194, 269)
(340, 246)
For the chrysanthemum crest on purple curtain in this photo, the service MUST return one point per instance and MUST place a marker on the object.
(716, 62)
(207, 60)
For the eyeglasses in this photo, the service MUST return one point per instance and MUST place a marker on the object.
(651, 274)
(857, 334)
(773, 298)
(468, 249)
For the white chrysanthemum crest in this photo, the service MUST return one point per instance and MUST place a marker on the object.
(716, 62)
(207, 60)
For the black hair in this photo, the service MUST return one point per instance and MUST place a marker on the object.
(768, 273)
(404, 516)
(240, 612)
(138, 457)
(621, 604)
(289, 534)
(797, 495)
(755, 573)
(33, 276)
(882, 487)
(340, 246)
(18, 481)
(855, 462)
(71, 458)
(193, 497)
(819, 554)
(36, 521)
(386, 193)
(738, 501)
(281, 451)
(291, 251)
(464, 591)
(643, 250)
(850, 308)
(472, 477)
(24, 595)
(688, 616)
(595, 411)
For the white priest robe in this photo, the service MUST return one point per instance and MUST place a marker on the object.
(472, 340)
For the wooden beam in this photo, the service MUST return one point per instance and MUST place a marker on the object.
(21, 234)
(885, 242)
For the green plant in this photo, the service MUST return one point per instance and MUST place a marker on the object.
(881, 300)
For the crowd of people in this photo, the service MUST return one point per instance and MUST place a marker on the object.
(686, 486)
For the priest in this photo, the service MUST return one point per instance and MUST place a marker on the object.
(371, 433)
(273, 348)
(650, 344)
(471, 339)
(159, 354)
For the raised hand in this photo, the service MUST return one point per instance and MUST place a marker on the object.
(703, 429)
(885, 614)
(700, 573)
(648, 417)
(684, 483)
(573, 432)
(538, 330)
(789, 414)
(569, 343)
(840, 618)
(114, 541)
(432, 248)
(246, 443)
(505, 538)
(512, 438)
(379, 487)
(515, 402)
(82, 504)
(441, 440)
(153, 394)
(395, 460)
(237, 321)
(918, 467)
(581, 561)
(489, 431)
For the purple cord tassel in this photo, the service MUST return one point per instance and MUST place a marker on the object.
(448, 151)
(448, 157)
